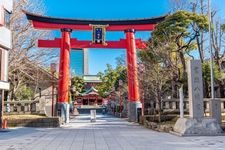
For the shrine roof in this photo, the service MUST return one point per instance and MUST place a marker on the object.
(91, 91)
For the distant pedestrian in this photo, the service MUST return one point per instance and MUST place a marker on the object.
(103, 111)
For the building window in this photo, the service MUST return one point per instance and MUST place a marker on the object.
(7, 18)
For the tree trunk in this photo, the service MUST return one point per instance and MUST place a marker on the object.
(159, 104)
(182, 59)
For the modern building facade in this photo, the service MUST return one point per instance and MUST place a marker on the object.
(5, 46)
(79, 62)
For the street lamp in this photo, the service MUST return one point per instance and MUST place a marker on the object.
(53, 70)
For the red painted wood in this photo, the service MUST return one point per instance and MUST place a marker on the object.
(64, 68)
(88, 44)
(56, 43)
(52, 26)
(132, 68)
(77, 44)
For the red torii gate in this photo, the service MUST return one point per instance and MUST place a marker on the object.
(66, 26)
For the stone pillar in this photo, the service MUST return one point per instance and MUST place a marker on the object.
(173, 105)
(207, 105)
(196, 124)
(42, 103)
(12, 108)
(19, 108)
(222, 106)
(181, 94)
(167, 105)
(64, 73)
(33, 107)
(195, 89)
(215, 109)
(132, 76)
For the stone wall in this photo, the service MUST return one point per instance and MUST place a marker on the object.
(159, 127)
(151, 122)
(172, 106)
(37, 122)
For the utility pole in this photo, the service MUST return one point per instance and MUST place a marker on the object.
(210, 50)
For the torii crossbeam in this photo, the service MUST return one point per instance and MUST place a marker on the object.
(77, 44)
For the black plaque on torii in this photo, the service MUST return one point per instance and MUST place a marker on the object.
(98, 34)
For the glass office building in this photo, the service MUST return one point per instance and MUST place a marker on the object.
(79, 62)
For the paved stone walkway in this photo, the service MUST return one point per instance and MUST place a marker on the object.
(105, 134)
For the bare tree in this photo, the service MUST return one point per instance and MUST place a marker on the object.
(157, 75)
(177, 5)
(24, 47)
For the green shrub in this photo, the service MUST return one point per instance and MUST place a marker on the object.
(24, 93)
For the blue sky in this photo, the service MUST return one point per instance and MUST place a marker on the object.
(110, 9)
(104, 9)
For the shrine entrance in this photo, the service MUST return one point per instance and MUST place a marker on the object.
(98, 28)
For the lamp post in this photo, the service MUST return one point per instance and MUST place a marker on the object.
(210, 50)
(53, 70)
(120, 85)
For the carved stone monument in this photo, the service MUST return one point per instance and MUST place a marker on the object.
(196, 124)
(195, 89)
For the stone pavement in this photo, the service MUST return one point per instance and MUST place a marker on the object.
(107, 133)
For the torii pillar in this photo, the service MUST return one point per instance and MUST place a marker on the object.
(64, 74)
(132, 76)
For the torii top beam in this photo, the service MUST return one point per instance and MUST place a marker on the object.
(51, 23)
